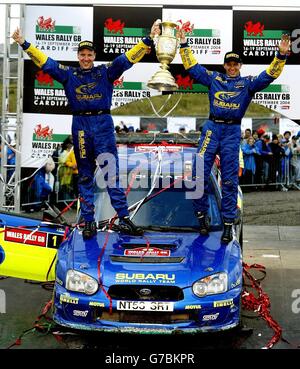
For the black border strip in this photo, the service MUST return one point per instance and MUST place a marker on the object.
(208, 7)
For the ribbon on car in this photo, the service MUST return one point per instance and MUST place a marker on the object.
(260, 303)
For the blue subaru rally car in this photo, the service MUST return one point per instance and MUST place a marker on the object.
(169, 280)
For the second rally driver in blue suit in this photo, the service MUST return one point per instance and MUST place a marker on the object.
(229, 96)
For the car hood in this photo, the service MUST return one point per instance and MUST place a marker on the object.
(156, 258)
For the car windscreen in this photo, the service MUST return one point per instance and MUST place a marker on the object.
(165, 207)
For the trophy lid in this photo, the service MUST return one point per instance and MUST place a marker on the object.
(169, 24)
(168, 28)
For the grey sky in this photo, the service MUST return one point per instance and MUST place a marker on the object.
(254, 3)
(15, 12)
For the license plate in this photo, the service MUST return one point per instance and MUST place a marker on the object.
(145, 305)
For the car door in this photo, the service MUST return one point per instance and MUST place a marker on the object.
(28, 248)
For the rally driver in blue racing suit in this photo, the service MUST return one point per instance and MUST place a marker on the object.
(89, 91)
(229, 96)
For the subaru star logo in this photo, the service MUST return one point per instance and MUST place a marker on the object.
(145, 291)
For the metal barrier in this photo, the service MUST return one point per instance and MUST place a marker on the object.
(286, 174)
(31, 203)
(283, 174)
(294, 178)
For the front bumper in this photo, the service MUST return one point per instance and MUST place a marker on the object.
(190, 315)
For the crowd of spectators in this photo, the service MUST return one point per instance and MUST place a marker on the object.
(122, 128)
(270, 159)
(57, 180)
(267, 159)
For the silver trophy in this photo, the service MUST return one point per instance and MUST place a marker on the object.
(166, 47)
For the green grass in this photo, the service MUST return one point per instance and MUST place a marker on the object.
(194, 105)
(12, 105)
(190, 105)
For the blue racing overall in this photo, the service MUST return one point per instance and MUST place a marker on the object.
(89, 94)
(229, 98)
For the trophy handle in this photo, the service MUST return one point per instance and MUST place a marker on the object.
(177, 36)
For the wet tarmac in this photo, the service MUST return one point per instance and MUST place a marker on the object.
(275, 247)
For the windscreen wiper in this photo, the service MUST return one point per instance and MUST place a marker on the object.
(105, 222)
(169, 228)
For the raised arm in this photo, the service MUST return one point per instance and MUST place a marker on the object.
(197, 71)
(37, 56)
(40, 59)
(274, 69)
(134, 55)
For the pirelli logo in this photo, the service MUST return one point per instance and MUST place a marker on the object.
(138, 54)
(188, 58)
(135, 54)
(223, 303)
(232, 55)
(68, 299)
(86, 43)
(275, 68)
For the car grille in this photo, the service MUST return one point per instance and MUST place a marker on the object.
(133, 292)
(149, 318)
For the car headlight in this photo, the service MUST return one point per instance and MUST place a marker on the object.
(80, 282)
(211, 285)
